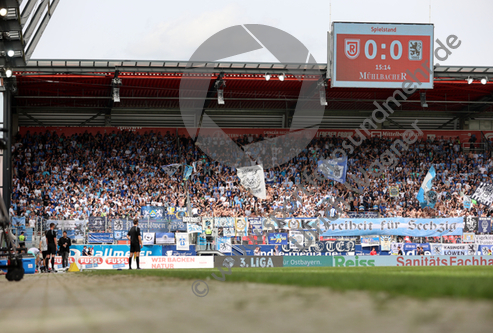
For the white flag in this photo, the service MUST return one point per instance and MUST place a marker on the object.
(170, 169)
(252, 178)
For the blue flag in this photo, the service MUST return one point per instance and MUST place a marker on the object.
(188, 172)
(334, 169)
(427, 197)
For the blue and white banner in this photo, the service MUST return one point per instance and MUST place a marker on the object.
(397, 226)
(411, 249)
(484, 225)
(193, 228)
(223, 244)
(370, 241)
(385, 242)
(182, 241)
(485, 250)
(334, 169)
(228, 222)
(207, 222)
(99, 237)
(255, 224)
(427, 197)
(152, 212)
(177, 225)
(148, 238)
(96, 223)
(165, 238)
(121, 224)
(170, 250)
(278, 238)
(19, 221)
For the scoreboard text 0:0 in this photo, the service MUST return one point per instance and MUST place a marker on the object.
(381, 55)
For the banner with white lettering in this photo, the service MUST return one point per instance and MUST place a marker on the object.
(165, 238)
(397, 226)
(96, 223)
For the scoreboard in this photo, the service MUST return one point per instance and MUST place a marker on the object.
(380, 55)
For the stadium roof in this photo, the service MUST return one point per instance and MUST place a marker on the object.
(79, 93)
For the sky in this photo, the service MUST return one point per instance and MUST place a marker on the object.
(173, 30)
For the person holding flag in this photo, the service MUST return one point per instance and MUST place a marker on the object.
(427, 197)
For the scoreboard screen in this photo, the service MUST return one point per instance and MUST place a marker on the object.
(380, 55)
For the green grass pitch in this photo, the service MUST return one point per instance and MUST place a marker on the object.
(469, 282)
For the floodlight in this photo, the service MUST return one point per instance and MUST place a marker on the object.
(484, 80)
(220, 96)
(3, 11)
(281, 77)
(10, 53)
(8, 72)
(267, 77)
(469, 80)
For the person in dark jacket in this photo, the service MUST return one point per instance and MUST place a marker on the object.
(64, 242)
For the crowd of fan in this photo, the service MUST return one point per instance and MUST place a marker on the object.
(115, 174)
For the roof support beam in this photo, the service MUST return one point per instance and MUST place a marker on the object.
(37, 36)
(34, 21)
(31, 117)
(479, 107)
(27, 11)
(92, 118)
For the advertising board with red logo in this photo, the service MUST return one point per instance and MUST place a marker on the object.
(381, 55)
(147, 262)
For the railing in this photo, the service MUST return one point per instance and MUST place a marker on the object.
(488, 144)
(476, 146)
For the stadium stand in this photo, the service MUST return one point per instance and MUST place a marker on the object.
(115, 174)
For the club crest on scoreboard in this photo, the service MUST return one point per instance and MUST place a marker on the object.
(351, 48)
(415, 50)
